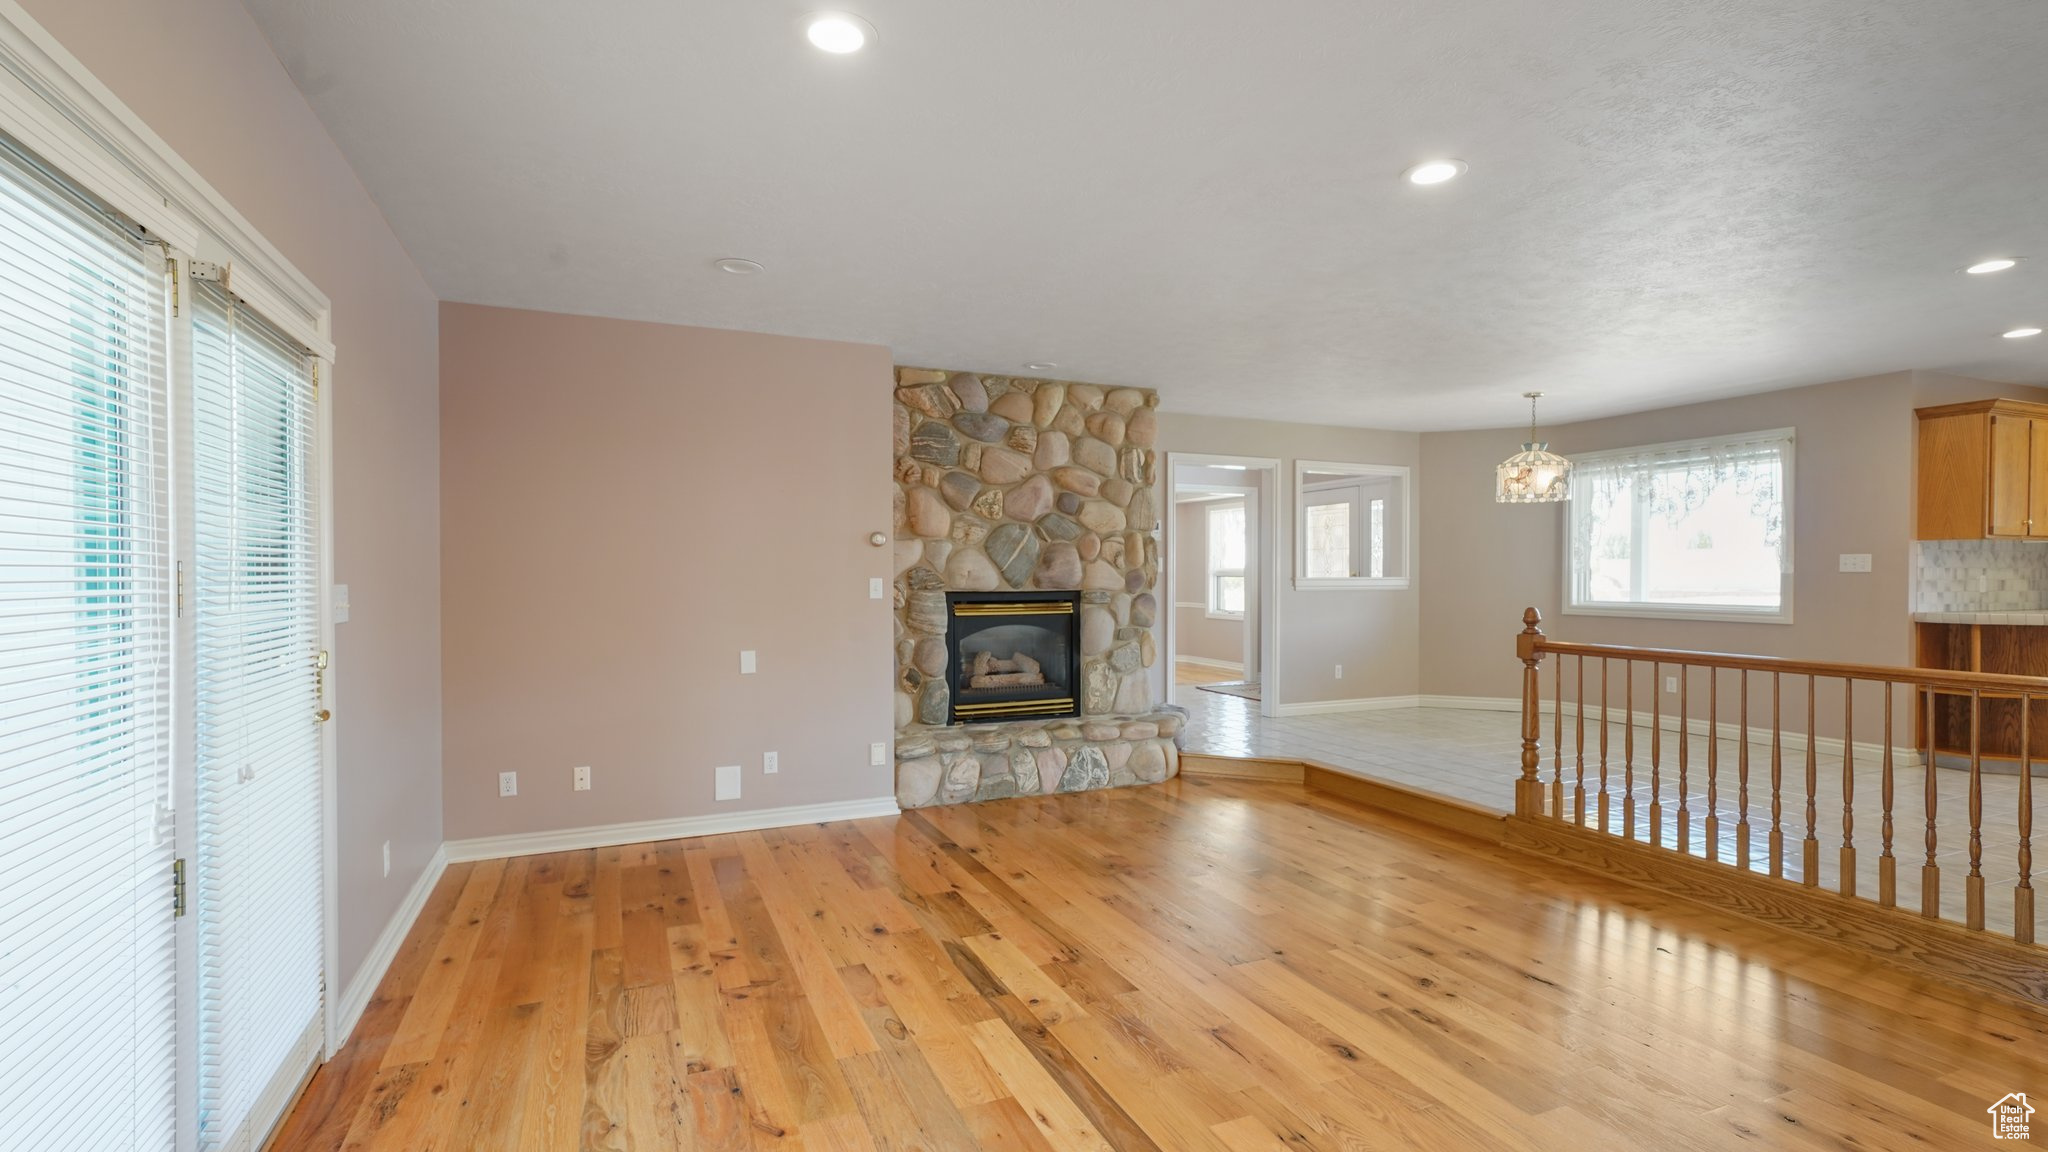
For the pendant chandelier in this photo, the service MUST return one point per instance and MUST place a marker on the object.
(1535, 475)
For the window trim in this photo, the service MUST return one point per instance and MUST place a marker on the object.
(1211, 573)
(1298, 510)
(1720, 613)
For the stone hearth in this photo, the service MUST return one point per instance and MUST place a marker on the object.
(1018, 484)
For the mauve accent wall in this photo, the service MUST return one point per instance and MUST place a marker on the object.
(203, 77)
(627, 506)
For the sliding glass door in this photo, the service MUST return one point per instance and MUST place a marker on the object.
(256, 642)
(87, 942)
(162, 918)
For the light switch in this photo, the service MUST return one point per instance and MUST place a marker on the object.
(339, 600)
(1855, 561)
(747, 662)
(877, 588)
(726, 784)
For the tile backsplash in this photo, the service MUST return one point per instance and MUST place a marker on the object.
(1981, 576)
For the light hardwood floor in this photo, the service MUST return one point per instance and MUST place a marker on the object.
(1204, 964)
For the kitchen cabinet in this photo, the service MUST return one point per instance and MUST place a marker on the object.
(1983, 471)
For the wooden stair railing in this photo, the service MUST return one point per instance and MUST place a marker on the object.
(1949, 708)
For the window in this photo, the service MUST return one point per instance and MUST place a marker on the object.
(1329, 540)
(1351, 526)
(1226, 559)
(1700, 529)
(1377, 533)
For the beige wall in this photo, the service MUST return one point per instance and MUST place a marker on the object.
(205, 79)
(626, 507)
(1198, 635)
(1372, 632)
(1482, 563)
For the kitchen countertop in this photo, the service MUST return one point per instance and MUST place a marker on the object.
(2006, 618)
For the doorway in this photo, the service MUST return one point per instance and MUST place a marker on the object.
(1221, 577)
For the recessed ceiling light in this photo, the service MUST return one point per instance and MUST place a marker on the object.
(1040, 366)
(737, 266)
(1998, 265)
(839, 33)
(2022, 333)
(1435, 171)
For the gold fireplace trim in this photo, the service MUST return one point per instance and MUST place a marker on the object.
(1011, 707)
(1047, 608)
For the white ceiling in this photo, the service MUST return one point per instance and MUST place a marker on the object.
(1668, 199)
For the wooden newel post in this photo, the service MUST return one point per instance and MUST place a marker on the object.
(1529, 789)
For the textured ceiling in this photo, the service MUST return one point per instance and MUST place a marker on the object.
(1668, 199)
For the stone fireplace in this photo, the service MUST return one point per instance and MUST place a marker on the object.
(1027, 578)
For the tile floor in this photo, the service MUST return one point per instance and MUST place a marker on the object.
(1475, 756)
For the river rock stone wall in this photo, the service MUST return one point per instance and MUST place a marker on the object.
(1011, 483)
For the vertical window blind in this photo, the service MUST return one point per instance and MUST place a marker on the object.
(88, 978)
(258, 880)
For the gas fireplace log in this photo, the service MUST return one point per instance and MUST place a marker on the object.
(1006, 680)
(1019, 671)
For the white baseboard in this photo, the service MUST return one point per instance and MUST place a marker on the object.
(609, 835)
(1758, 736)
(370, 973)
(1362, 704)
(1205, 662)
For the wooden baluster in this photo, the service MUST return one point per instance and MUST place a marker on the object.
(2023, 892)
(1684, 746)
(1809, 848)
(1973, 884)
(1777, 842)
(1848, 869)
(1742, 778)
(1887, 864)
(1656, 753)
(1529, 789)
(1602, 822)
(1557, 742)
(1579, 728)
(1628, 749)
(1930, 872)
(1710, 828)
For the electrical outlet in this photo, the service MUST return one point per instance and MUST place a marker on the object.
(726, 782)
(1671, 684)
(508, 783)
(580, 778)
(387, 857)
(877, 588)
(771, 763)
(747, 662)
(1855, 562)
(878, 754)
(1340, 671)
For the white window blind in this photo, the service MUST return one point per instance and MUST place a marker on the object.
(258, 881)
(88, 983)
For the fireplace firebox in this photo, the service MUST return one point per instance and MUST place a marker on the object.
(1013, 655)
